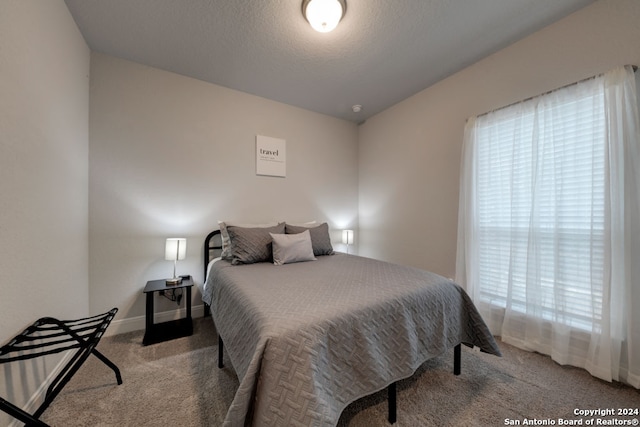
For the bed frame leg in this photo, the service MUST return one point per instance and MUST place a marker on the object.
(220, 352)
(457, 355)
(392, 398)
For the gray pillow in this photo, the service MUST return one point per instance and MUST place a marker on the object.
(288, 248)
(224, 235)
(251, 245)
(320, 239)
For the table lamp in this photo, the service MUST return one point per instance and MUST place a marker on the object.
(347, 238)
(175, 249)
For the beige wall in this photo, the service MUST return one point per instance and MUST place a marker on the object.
(44, 107)
(409, 155)
(171, 155)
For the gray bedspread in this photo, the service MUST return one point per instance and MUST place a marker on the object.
(309, 338)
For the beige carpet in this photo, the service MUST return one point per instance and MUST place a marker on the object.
(177, 383)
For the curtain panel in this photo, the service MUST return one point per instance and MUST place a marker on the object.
(549, 224)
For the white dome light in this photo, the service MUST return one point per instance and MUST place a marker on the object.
(323, 15)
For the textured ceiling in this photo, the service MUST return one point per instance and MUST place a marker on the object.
(382, 52)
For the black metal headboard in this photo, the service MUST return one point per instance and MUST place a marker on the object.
(212, 248)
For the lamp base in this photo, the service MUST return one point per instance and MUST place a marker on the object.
(174, 281)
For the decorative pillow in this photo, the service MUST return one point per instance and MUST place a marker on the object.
(320, 239)
(224, 235)
(250, 245)
(308, 224)
(289, 248)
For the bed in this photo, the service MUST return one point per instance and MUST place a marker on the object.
(308, 338)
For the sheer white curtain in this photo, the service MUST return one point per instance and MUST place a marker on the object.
(549, 224)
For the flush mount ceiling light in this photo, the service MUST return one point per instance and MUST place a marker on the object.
(324, 15)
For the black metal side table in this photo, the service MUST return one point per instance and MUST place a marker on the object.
(158, 332)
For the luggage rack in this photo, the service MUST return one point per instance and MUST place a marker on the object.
(49, 336)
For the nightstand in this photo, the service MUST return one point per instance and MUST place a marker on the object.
(158, 332)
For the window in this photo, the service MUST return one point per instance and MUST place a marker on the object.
(547, 191)
(549, 224)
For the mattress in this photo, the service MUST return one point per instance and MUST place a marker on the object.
(306, 339)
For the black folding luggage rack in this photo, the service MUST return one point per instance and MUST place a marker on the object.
(48, 336)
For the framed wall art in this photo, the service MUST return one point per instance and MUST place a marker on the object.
(271, 156)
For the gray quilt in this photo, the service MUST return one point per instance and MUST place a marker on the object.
(307, 339)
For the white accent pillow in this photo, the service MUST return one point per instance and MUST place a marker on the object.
(288, 248)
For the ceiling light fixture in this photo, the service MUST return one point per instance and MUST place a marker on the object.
(324, 15)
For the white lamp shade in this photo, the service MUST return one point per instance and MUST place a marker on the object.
(323, 15)
(175, 249)
(347, 237)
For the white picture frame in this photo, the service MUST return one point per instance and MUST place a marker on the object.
(271, 156)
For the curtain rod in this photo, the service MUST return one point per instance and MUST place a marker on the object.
(634, 67)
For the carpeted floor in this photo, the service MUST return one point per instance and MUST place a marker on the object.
(177, 383)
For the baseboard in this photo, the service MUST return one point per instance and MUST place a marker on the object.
(137, 323)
